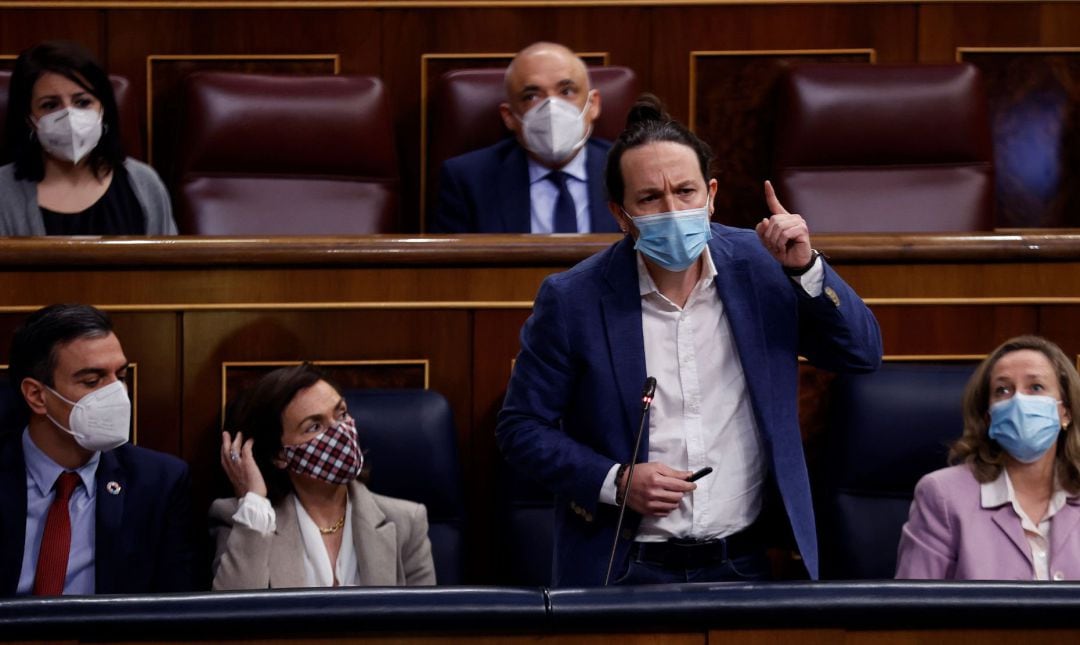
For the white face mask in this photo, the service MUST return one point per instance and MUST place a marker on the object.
(555, 129)
(100, 420)
(70, 134)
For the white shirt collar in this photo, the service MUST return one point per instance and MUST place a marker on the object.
(647, 286)
(576, 167)
(1000, 492)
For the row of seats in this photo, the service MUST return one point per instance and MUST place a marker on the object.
(885, 430)
(856, 147)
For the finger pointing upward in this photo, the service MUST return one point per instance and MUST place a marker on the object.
(775, 207)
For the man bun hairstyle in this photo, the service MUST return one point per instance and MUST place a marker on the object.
(648, 122)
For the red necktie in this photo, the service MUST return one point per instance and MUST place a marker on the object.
(56, 542)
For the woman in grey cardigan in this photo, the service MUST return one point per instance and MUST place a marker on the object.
(70, 175)
(302, 515)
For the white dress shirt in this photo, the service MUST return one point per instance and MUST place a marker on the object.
(543, 193)
(701, 414)
(1000, 492)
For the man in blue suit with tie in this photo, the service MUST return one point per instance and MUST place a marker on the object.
(84, 512)
(548, 178)
(719, 317)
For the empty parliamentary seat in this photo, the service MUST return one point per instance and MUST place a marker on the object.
(886, 430)
(463, 113)
(410, 445)
(269, 154)
(884, 148)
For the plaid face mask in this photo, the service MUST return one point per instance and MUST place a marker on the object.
(334, 456)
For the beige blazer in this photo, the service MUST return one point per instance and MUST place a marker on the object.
(392, 547)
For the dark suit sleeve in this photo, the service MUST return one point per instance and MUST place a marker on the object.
(530, 431)
(453, 213)
(837, 331)
(174, 570)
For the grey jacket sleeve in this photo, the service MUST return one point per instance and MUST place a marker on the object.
(152, 196)
(241, 556)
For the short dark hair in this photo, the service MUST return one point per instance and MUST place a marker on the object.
(646, 123)
(257, 413)
(77, 65)
(34, 346)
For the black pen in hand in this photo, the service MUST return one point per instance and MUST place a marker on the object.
(699, 474)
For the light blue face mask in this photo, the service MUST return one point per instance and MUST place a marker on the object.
(1026, 426)
(673, 240)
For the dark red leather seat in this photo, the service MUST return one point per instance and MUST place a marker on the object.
(885, 148)
(126, 105)
(463, 113)
(286, 155)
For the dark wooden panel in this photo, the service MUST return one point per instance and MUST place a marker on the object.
(495, 344)
(23, 28)
(1034, 102)
(951, 330)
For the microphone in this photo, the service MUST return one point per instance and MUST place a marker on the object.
(647, 393)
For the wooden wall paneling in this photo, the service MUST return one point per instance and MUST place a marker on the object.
(1034, 103)
(944, 27)
(732, 108)
(151, 341)
(1061, 324)
(953, 329)
(267, 40)
(211, 338)
(409, 34)
(23, 28)
(732, 94)
(964, 281)
(495, 344)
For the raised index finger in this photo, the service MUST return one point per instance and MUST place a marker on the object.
(775, 207)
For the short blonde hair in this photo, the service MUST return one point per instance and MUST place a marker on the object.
(985, 456)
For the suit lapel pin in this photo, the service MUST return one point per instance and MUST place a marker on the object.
(113, 488)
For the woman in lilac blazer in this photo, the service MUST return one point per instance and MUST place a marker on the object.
(1008, 509)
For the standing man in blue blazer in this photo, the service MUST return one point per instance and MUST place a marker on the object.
(719, 317)
(81, 511)
(548, 178)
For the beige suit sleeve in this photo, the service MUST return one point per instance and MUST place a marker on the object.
(416, 550)
(242, 555)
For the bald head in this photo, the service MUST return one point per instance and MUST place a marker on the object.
(539, 58)
(545, 71)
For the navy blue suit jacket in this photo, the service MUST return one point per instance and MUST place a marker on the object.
(574, 400)
(143, 534)
(487, 191)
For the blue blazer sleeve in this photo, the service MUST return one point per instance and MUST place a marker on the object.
(531, 431)
(837, 331)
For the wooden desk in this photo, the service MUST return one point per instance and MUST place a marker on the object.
(198, 314)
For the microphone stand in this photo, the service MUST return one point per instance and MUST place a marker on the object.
(646, 402)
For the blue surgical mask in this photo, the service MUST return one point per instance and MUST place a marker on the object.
(1026, 426)
(673, 240)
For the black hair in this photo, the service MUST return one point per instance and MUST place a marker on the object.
(77, 65)
(34, 346)
(257, 413)
(646, 123)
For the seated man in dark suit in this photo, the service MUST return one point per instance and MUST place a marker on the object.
(83, 512)
(549, 178)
